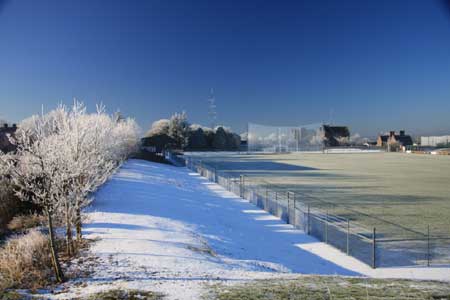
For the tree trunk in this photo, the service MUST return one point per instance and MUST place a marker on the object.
(55, 260)
(78, 225)
(69, 239)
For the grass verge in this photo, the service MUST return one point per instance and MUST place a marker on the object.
(116, 294)
(124, 295)
(10, 295)
(325, 287)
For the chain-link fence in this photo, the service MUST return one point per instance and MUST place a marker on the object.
(264, 138)
(318, 218)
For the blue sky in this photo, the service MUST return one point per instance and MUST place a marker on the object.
(376, 65)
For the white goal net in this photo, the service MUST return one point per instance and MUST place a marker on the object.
(284, 138)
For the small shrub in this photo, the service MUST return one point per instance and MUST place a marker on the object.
(25, 261)
(9, 205)
(125, 295)
(23, 222)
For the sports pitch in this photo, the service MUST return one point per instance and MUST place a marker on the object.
(396, 193)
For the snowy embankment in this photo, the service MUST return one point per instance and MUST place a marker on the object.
(168, 230)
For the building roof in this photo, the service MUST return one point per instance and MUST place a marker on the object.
(405, 140)
(384, 138)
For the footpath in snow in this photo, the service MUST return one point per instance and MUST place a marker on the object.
(166, 229)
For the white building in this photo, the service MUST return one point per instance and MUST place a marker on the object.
(433, 141)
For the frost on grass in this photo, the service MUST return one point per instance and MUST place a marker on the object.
(327, 287)
(21, 223)
(124, 295)
(25, 261)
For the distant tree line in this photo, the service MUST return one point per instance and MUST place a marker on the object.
(443, 145)
(178, 133)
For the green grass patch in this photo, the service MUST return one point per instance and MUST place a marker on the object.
(317, 287)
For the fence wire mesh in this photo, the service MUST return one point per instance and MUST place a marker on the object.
(285, 139)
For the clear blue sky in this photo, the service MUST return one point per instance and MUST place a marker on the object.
(376, 65)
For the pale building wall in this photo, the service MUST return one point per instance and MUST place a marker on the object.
(433, 141)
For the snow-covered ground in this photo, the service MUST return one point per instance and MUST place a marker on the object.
(165, 229)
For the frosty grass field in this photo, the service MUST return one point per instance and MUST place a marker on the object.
(393, 192)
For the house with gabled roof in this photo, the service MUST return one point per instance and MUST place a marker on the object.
(395, 142)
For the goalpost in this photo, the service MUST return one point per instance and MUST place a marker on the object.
(264, 138)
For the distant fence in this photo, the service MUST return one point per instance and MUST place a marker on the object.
(174, 159)
(313, 216)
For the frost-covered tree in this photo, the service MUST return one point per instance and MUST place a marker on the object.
(62, 157)
(118, 117)
(159, 127)
(178, 129)
(33, 172)
(112, 144)
(95, 145)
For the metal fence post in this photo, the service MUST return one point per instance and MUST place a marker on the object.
(326, 227)
(374, 248)
(348, 236)
(308, 229)
(276, 201)
(240, 186)
(215, 174)
(266, 198)
(243, 186)
(288, 208)
(428, 247)
(295, 209)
